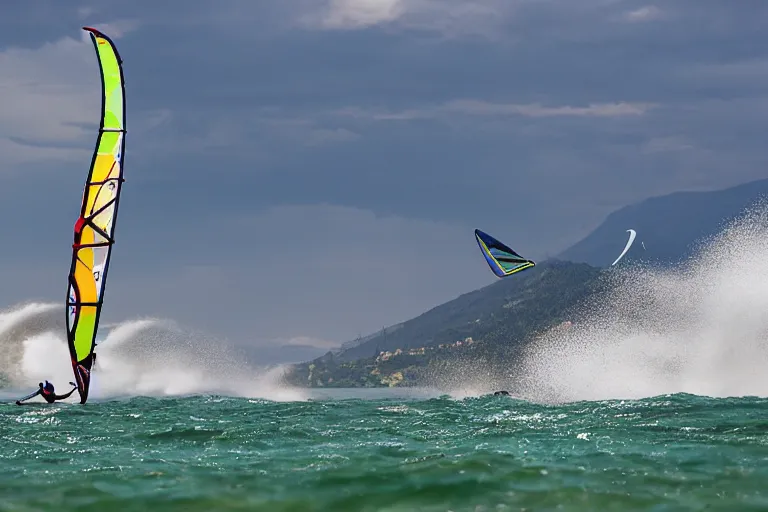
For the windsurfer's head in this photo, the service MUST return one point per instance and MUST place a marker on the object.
(48, 388)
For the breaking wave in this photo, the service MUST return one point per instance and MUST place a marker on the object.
(147, 357)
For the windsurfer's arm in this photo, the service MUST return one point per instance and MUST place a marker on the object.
(33, 395)
(62, 397)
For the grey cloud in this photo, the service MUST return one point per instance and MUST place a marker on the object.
(445, 18)
(323, 137)
(559, 109)
(44, 92)
(485, 108)
(273, 275)
(363, 13)
(644, 14)
(52, 99)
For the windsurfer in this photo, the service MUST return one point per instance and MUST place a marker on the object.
(48, 393)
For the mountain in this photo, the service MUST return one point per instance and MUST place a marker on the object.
(502, 316)
(479, 312)
(667, 229)
(360, 340)
(668, 225)
(498, 317)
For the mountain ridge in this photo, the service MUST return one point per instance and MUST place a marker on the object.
(670, 227)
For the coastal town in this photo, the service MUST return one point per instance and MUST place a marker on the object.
(389, 368)
(420, 351)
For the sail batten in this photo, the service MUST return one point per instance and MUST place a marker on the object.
(502, 260)
(95, 227)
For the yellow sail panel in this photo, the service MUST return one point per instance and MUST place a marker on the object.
(94, 229)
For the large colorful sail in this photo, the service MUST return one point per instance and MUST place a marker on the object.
(95, 228)
(502, 260)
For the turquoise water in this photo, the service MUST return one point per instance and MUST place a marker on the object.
(385, 453)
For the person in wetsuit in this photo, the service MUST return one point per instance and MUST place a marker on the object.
(48, 393)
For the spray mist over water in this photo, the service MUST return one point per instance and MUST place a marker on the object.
(146, 357)
(700, 328)
(19, 323)
(466, 377)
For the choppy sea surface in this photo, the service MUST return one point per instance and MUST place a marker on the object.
(383, 451)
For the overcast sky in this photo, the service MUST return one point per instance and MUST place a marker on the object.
(315, 168)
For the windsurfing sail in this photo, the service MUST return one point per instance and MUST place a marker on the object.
(632, 235)
(502, 260)
(95, 227)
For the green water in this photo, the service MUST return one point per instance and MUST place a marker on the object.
(479, 454)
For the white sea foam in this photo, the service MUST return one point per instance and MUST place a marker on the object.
(700, 328)
(146, 357)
